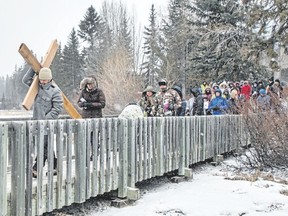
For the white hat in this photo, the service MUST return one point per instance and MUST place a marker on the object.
(45, 74)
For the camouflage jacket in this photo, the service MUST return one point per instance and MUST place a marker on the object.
(167, 103)
(148, 105)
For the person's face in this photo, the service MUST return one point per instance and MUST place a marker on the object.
(44, 82)
(162, 85)
(149, 93)
(217, 94)
(89, 86)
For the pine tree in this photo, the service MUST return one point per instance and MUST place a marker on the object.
(91, 28)
(91, 31)
(175, 42)
(268, 20)
(222, 41)
(57, 68)
(150, 66)
(72, 70)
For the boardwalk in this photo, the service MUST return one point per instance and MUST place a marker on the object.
(124, 152)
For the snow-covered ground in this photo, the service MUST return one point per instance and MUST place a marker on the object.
(213, 191)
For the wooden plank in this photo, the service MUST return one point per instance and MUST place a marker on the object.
(115, 155)
(102, 184)
(50, 54)
(90, 142)
(31, 94)
(31, 125)
(3, 167)
(70, 142)
(131, 152)
(109, 151)
(123, 157)
(29, 57)
(42, 124)
(18, 169)
(141, 149)
(59, 184)
(70, 109)
(50, 160)
(181, 145)
(96, 137)
(145, 149)
(160, 122)
(80, 161)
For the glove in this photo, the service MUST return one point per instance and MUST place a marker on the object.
(87, 104)
(216, 108)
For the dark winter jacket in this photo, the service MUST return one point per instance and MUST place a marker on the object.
(92, 102)
(198, 104)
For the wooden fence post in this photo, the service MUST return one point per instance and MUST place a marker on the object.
(80, 161)
(18, 169)
(3, 167)
(123, 157)
(181, 144)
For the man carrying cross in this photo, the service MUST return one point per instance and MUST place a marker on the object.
(48, 104)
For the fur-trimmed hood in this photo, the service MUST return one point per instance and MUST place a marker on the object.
(91, 80)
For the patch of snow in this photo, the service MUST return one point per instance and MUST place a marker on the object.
(213, 191)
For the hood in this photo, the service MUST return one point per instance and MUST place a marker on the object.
(87, 80)
(148, 88)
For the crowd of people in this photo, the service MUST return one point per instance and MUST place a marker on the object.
(205, 99)
(213, 98)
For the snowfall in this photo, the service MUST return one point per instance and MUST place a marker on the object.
(228, 189)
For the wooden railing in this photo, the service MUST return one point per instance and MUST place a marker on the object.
(123, 153)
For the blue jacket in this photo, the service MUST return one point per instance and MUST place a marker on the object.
(218, 106)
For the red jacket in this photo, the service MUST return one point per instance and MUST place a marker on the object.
(246, 91)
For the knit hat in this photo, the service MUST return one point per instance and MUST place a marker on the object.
(45, 74)
(262, 91)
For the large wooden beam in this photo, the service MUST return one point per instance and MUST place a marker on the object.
(36, 66)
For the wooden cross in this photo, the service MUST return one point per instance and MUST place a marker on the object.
(36, 66)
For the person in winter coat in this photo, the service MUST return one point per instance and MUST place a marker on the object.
(207, 96)
(203, 86)
(91, 99)
(246, 91)
(48, 104)
(263, 101)
(276, 94)
(168, 100)
(147, 101)
(218, 105)
(198, 105)
(182, 111)
(234, 107)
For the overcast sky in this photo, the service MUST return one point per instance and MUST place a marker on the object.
(37, 22)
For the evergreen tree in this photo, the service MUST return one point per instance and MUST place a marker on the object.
(268, 21)
(222, 41)
(150, 65)
(57, 68)
(72, 70)
(91, 27)
(91, 30)
(175, 41)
